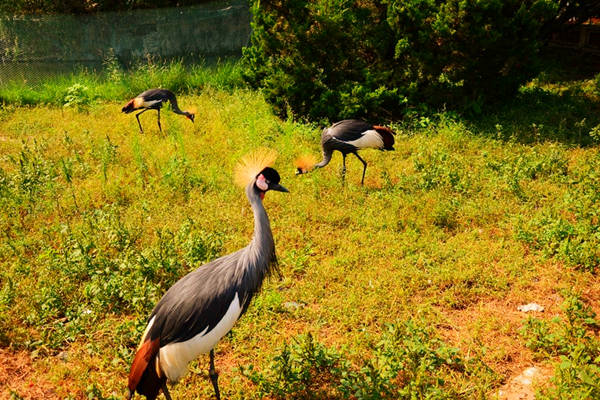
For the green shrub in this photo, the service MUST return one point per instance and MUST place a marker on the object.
(597, 84)
(339, 59)
(78, 96)
(407, 362)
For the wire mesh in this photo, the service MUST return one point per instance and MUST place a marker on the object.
(34, 48)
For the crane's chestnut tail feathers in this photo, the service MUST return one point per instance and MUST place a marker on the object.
(387, 135)
(129, 107)
(143, 376)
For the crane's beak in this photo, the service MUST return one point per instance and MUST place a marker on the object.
(279, 188)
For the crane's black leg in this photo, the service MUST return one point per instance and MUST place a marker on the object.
(137, 116)
(214, 376)
(166, 391)
(343, 166)
(362, 182)
(159, 127)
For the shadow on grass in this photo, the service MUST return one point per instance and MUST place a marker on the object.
(558, 114)
(561, 105)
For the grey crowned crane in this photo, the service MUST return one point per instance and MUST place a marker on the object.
(347, 137)
(153, 99)
(200, 308)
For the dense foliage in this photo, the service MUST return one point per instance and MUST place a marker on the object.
(347, 58)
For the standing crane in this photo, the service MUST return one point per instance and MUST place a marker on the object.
(349, 136)
(200, 308)
(153, 99)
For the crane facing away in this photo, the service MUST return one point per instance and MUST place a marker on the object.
(349, 136)
(153, 99)
(200, 308)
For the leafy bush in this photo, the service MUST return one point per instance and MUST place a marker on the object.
(77, 96)
(408, 362)
(576, 342)
(597, 84)
(339, 59)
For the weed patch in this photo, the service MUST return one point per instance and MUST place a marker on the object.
(574, 340)
(570, 228)
(407, 362)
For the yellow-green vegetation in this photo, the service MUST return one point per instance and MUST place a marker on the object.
(404, 288)
(83, 88)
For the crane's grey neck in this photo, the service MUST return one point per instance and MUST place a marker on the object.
(326, 158)
(176, 108)
(261, 250)
(262, 227)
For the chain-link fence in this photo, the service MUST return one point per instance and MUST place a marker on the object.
(33, 48)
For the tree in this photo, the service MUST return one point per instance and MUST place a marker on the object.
(335, 59)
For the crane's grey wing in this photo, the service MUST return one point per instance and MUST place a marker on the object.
(333, 143)
(348, 129)
(197, 302)
(157, 94)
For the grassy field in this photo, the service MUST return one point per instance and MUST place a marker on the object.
(407, 287)
(83, 88)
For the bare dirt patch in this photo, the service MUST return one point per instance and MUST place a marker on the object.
(522, 386)
(19, 377)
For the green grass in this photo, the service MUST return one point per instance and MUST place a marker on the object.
(451, 232)
(114, 83)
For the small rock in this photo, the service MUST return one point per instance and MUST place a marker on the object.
(63, 355)
(520, 387)
(527, 375)
(530, 307)
(292, 305)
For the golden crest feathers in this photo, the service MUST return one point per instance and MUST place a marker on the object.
(305, 162)
(251, 164)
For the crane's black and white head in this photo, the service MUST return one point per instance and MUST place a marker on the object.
(190, 115)
(254, 172)
(268, 179)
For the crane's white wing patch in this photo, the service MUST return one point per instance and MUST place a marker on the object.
(175, 357)
(369, 139)
(139, 102)
(146, 332)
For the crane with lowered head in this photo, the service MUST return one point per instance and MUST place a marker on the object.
(153, 99)
(347, 137)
